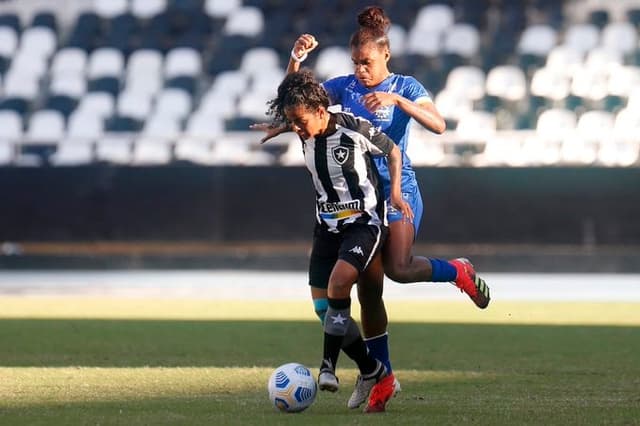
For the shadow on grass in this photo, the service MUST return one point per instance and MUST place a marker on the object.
(177, 343)
(451, 373)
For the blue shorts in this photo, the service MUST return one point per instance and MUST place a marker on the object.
(411, 194)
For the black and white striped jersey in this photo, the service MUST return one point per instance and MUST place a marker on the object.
(346, 180)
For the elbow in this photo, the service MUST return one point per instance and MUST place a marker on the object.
(440, 126)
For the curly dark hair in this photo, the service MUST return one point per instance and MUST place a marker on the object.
(374, 24)
(297, 89)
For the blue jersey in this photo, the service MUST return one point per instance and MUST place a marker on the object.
(348, 92)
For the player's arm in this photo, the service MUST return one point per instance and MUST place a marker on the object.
(394, 163)
(270, 130)
(381, 144)
(301, 48)
(422, 110)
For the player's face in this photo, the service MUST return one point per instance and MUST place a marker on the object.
(370, 63)
(306, 122)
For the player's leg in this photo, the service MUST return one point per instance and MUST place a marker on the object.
(351, 263)
(324, 255)
(340, 329)
(337, 324)
(372, 279)
(403, 267)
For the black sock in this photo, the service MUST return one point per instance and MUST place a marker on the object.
(357, 351)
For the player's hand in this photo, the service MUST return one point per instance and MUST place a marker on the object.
(270, 130)
(304, 44)
(375, 100)
(401, 205)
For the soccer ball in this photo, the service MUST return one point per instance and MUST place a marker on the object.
(292, 388)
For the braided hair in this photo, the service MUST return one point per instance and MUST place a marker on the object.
(374, 24)
(297, 89)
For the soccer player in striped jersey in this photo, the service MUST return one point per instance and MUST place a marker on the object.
(389, 101)
(351, 217)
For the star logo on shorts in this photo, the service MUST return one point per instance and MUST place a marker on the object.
(340, 154)
(338, 319)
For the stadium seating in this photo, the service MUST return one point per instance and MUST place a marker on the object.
(175, 77)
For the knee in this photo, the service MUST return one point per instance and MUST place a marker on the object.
(398, 271)
(369, 295)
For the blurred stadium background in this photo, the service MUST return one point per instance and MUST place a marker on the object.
(124, 142)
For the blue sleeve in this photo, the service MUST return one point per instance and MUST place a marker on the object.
(334, 88)
(414, 90)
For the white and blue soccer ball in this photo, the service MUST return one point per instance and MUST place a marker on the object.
(292, 388)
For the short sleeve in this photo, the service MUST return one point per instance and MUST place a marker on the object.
(335, 88)
(415, 91)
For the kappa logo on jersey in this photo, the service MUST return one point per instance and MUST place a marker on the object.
(340, 154)
(357, 250)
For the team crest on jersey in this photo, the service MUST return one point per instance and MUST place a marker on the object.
(340, 154)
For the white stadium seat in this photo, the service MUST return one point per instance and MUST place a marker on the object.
(468, 81)
(453, 104)
(69, 60)
(461, 39)
(550, 84)
(85, 125)
(101, 104)
(21, 85)
(182, 61)
(151, 151)
(7, 152)
(582, 37)
(146, 9)
(619, 36)
(246, 21)
(68, 84)
(333, 61)
(221, 8)
(39, 41)
(10, 125)
(476, 126)
(397, 39)
(24, 63)
(435, 17)
(110, 8)
(507, 82)
(46, 126)
(133, 105)
(256, 60)
(204, 125)
(425, 42)
(160, 126)
(537, 40)
(230, 83)
(194, 149)
(75, 152)
(173, 103)
(8, 42)
(105, 62)
(114, 149)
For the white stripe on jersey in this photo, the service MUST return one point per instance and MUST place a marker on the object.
(343, 174)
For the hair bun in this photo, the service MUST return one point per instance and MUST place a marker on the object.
(373, 17)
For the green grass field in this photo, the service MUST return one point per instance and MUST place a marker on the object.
(77, 361)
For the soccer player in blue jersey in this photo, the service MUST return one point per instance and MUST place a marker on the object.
(389, 101)
(351, 216)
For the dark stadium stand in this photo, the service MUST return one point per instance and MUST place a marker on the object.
(111, 67)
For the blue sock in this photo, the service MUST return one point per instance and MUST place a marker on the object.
(442, 271)
(379, 349)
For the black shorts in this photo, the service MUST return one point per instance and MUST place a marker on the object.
(356, 244)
